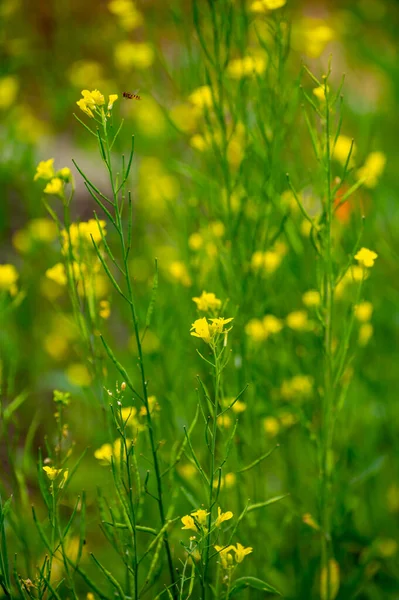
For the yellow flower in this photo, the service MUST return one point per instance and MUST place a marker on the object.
(200, 329)
(8, 277)
(65, 173)
(255, 330)
(372, 169)
(129, 54)
(272, 324)
(342, 148)
(105, 309)
(300, 386)
(261, 7)
(51, 472)
(223, 517)
(387, 547)
(57, 274)
(298, 320)
(195, 241)
(45, 170)
(320, 92)
(226, 558)
(108, 452)
(55, 187)
(188, 523)
(78, 375)
(271, 426)
(271, 261)
(241, 552)
(178, 270)
(94, 98)
(202, 97)
(246, 67)
(365, 333)
(111, 99)
(127, 12)
(363, 311)
(219, 323)
(201, 516)
(8, 91)
(366, 257)
(311, 298)
(207, 301)
(84, 107)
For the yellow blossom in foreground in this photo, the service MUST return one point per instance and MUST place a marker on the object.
(226, 559)
(366, 257)
(84, 107)
(111, 99)
(200, 328)
(55, 187)
(363, 311)
(248, 66)
(311, 298)
(241, 552)
(263, 6)
(207, 301)
(298, 320)
(218, 325)
(51, 472)
(200, 516)
(372, 169)
(188, 523)
(57, 274)
(8, 277)
(223, 517)
(45, 170)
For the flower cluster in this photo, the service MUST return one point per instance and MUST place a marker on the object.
(92, 103)
(56, 180)
(226, 559)
(209, 331)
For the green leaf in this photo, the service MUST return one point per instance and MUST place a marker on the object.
(251, 582)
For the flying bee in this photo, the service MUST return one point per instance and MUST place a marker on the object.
(131, 96)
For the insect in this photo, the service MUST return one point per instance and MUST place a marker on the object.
(131, 96)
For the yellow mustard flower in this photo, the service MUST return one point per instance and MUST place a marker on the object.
(9, 86)
(55, 187)
(45, 170)
(51, 472)
(261, 7)
(365, 333)
(218, 325)
(57, 273)
(8, 277)
(320, 92)
(256, 330)
(272, 324)
(195, 241)
(309, 520)
(84, 107)
(65, 173)
(363, 311)
(372, 169)
(241, 552)
(188, 523)
(178, 270)
(93, 98)
(248, 66)
(223, 517)
(200, 516)
(108, 452)
(78, 375)
(300, 386)
(104, 309)
(129, 16)
(298, 320)
(271, 261)
(200, 328)
(202, 97)
(366, 257)
(226, 559)
(271, 426)
(342, 148)
(207, 301)
(311, 298)
(129, 55)
(111, 99)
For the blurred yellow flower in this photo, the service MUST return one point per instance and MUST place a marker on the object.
(195, 241)
(272, 324)
(128, 14)
(202, 97)
(207, 301)
(133, 55)
(51, 472)
(8, 277)
(365, 333)
(311, 35)
(149, 117)
(246, 67)
(108, 452)
(298, 320)
(223, 517)
(271, 426)
(104, 309)
(271, 261)
(329, 580)
(178, 270)
(342, 148)
(263, 6)
(57, 273)
(9, 86)
(309, 520)
(320, 92)
(372, 169)
(255, 330)
(85, 72)
(78, 375)
(184, 117)
(55, 187)
(363, 311)
(387, 547)
(45, 170)
(299, 387)
(311, 298)
(64, 173)
(366, 257)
